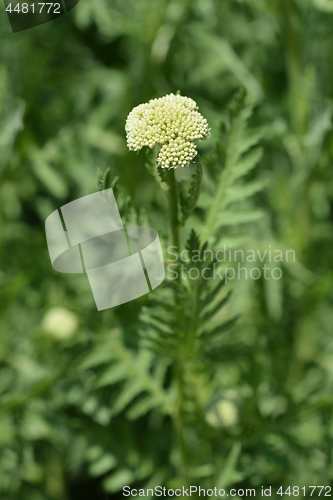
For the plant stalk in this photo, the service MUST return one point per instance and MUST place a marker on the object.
(178, 418)
(173, 208)
(179, 425)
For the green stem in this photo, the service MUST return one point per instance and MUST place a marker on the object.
(193, 323)
(179, 424)
(298, 101)
(173, 208)
(178, 418)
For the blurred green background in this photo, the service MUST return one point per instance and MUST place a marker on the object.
(66, 88)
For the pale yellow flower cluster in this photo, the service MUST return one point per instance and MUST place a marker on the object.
(173, 122)
(60, 323)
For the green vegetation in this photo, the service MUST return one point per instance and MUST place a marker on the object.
(201, 382)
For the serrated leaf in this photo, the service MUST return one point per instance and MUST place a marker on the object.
(246, 163)
(210, 314)
(240, 192)
(220, 329)
(240, 139)
(100, 180)
(107, 179)
(193, 242)
(161, 173)
(158, 324)
(212, 294)
(188, 203)
(245, 141)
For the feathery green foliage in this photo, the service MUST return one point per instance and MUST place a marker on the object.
(189, 202)
(235, 157)
(169, 389)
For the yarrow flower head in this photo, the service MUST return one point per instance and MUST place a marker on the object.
(173, 122)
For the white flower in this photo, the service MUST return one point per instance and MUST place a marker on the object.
(60, 323)
(173, 122)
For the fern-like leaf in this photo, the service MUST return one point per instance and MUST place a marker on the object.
(188, 203)
(141, 385)
(236, 155)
